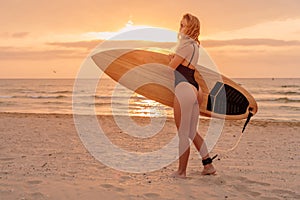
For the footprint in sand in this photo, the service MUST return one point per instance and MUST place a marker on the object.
(37, 195)
(124, 179)
(245, 189)
(7, 159)
(248, 181)
(111, 187)
(117, 189)
(269, 198)
(34, 182)
(286, 194)
(151, 195)
(107, 186)
(244, 185)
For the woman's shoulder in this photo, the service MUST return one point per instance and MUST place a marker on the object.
(187, 49)
(191, 47)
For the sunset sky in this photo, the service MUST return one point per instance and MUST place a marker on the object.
(50, 39)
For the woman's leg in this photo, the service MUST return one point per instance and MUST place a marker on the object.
(184, 151)
(197, 139)
(194, 135)
(184, 100)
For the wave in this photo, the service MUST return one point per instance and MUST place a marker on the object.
(34, 97)
(7, 97)
(288, 93)
(56, 103)
(275, 91)
(86, 104)
(61, 92)
(118, 97)
(46, 92)
(46, 97)
(282, 100)
(293, 108)
(290, 86)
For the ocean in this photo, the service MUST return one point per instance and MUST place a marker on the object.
(278, 99)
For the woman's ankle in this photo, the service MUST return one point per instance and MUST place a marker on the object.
(208, 166)
(208, 160)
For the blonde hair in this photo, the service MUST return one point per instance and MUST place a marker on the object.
(193, 27)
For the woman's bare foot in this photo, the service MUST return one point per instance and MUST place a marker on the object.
(178, 174)
(209, 170)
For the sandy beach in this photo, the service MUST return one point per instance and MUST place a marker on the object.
(42, 157)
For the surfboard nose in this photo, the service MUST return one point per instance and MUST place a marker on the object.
(104, 58)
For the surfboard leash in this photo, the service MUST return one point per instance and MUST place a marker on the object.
(241, 134)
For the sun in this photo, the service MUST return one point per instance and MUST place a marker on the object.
(129, 23)
(129, 26)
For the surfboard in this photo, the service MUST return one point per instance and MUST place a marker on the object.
(146, 72)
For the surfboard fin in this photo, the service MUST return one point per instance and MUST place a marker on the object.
(248, 119)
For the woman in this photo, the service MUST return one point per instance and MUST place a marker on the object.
(188, 95)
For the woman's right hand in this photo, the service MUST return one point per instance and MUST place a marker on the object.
(171, 56)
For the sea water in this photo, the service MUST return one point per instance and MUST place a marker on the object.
(278, 99)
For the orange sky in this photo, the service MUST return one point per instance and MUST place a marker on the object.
(245, 38)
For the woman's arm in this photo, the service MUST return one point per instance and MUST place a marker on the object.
(175, 61)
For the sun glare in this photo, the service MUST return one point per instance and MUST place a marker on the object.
(131, 31)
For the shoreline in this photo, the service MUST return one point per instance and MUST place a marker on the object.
(253, 120)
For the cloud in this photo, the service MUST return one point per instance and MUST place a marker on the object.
(70, 50)
(12, 53)
(250, 42)
(14, 35)
(19, 34)
(78, 44)
(111, 44)
(274, 29)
